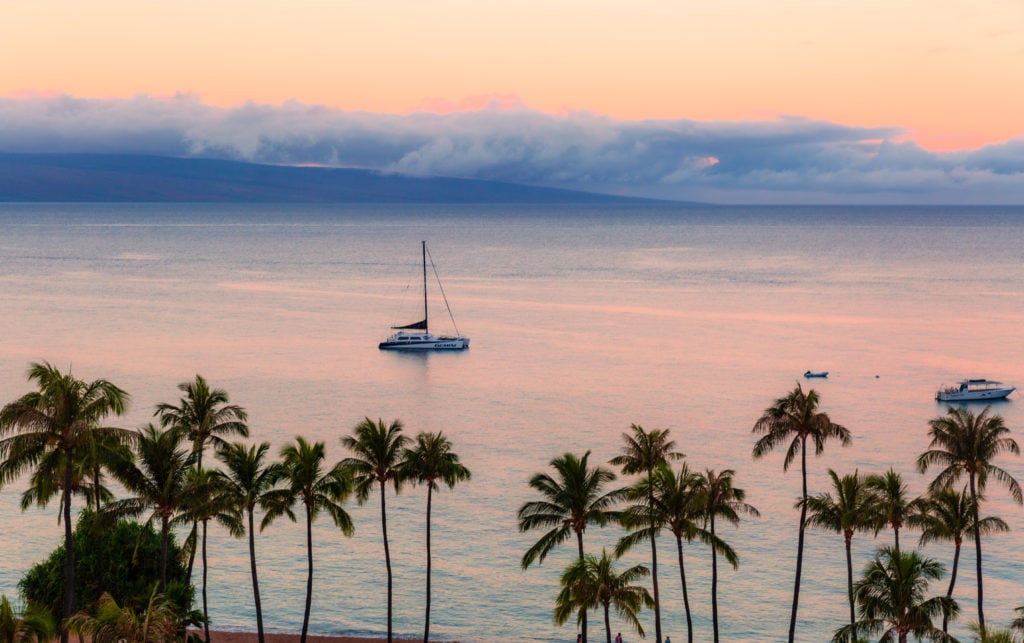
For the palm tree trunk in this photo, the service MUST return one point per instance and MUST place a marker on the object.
(255, 580)
(69, 549)
(714, 580)
(387, 555)
(165, 529)
(952, 582)
(654, 573)
(849, 583)
(426, 619)
(190, 542)
(583, 612)
(206, 612)
(977, 551)
(100, 567)
(800, 541)
(309, 573)
(608, 625)
(896, 530)
(686, 597)
(193, 535)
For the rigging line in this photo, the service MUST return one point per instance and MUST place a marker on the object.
(441, 288)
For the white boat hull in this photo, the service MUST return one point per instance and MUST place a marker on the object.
(427, 342)
(973, 396)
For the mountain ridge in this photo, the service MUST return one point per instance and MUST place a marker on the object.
(150, 178)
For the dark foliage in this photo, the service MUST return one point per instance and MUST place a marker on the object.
(131, 555)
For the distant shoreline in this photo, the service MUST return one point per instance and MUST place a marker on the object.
(136, 178)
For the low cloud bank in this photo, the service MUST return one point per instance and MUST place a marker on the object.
(787, 160)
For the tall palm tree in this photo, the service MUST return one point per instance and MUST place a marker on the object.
(965, 444)
(946, 514)
(205, 501)
(642, 452)
(60, 417)
(244, 484)
(377, 461)
(158, 480)
(98, 450)
(102, 451)
(47, 482)
(592, 582)
(721, 500)
(206, 416)
(430, 461)
(679, 507)
(573, 499)
(853, 508)
(87, 480)
(305, 480)
(793, 420)
(891, 492)
(892, 599)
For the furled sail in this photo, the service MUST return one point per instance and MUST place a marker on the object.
(420, 325)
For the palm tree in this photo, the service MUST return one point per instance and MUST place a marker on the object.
(592, 582)
(573, 500)
(430, 461)
(159, 623)
(159, 481)
(87, 478)
(1018, 623)
(892, 602)
(795, 419)
(946, 514)
(853, 508)
(721, 500)
(992, 636)
(34, 626)
(47, 482)
(100, 450)
(60, 417)
(205, 501)
(965, 444)
(678, 507)
(305, 480)
(378, 449)
(891, 492)
(244, 484)
(642, 452)
(206, 416)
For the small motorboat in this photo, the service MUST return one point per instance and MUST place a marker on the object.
(974, 390)
(810, 374)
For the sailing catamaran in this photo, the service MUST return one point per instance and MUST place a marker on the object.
(416, 336)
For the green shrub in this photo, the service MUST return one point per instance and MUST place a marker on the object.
(131, 567)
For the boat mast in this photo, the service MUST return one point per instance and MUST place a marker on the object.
(426, 326)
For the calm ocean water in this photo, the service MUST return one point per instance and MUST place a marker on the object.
(583, 320)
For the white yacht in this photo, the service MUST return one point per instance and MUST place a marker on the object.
(416, 336)
(972, 390)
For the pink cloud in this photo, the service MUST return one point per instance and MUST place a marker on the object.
(490, 102)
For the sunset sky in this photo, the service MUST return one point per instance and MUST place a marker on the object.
(931, 78)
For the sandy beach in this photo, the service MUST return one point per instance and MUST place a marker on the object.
(250, 637)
